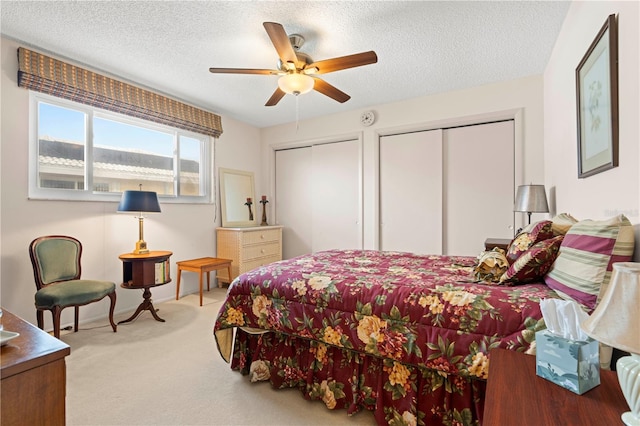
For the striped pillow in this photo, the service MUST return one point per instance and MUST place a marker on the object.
(561, 223)
(587, 253)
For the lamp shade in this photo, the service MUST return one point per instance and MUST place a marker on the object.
(139, 201)
(615, 320)
(531, 198)
(295, 83)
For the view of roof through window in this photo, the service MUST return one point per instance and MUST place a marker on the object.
(123, 155)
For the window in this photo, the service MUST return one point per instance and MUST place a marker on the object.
(81, 153)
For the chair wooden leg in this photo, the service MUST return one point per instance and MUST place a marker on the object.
(77, 316)
(112, 307)
(56, 311)
(40, 318)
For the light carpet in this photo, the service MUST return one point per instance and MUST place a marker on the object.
(154, 373)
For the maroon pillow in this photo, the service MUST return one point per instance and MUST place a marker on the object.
(531, 235)
(533, 264)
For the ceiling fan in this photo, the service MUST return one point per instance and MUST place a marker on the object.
(297, 70)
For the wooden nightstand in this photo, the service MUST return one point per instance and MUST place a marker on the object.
(502, 243)
(515, 395)
(143, 271)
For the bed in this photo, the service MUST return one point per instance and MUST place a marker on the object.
(403, 335)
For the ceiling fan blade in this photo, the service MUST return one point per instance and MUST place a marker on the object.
(330, 91)
(344, 62)
(243, 71)
(280, 41)
(275, 98)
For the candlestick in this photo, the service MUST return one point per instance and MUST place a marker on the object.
(248, 204)
(264, 210)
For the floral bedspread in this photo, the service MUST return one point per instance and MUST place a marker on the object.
(417, 315)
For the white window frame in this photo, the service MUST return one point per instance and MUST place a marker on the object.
(35, 192)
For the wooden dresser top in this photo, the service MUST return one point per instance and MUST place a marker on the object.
(32, 348)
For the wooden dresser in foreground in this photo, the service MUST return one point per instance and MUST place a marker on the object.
(248, 248)
(33, 387)
(517, 396)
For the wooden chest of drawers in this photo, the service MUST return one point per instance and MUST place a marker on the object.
(34, 376)
(248, 248)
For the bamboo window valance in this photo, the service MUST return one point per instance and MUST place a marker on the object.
(44, 74)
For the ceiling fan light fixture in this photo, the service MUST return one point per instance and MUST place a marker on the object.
(295, 67)
(295, 84)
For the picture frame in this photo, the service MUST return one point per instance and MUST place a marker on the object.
(597, 103)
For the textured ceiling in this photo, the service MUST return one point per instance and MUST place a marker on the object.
(423, 47)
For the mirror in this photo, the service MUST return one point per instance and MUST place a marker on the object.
(236, 189)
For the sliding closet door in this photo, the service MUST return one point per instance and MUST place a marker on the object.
(336, 196)
(478, 185)
(411, 192)
(294, 200)
(318, 197)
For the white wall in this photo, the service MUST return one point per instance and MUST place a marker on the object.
(522, 97)
(613, 191)
(186, 230)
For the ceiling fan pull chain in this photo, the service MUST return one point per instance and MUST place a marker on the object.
(297, 114)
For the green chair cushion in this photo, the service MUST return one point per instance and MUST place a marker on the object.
(74, 292)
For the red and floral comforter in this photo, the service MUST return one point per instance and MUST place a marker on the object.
(404, 335)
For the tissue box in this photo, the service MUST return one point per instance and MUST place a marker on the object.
(574, 365)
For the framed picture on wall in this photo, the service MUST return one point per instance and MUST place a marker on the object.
(597, 103)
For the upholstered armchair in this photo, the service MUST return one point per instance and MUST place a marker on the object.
(56, 269)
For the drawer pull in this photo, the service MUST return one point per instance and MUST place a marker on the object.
(262, 251)
(262, 236)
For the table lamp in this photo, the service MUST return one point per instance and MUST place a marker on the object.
(139, 202)
(531, 199)
(615, 322)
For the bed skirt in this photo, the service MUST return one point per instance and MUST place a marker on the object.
(398, 394)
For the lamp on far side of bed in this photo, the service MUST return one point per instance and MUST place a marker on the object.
(531, 199)
(615, 322)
